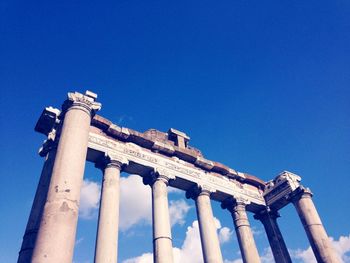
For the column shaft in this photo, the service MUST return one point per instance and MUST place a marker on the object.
(56, 237)
(107, 234)
(209, 238)
(31, 232)
(314, 229)
(274, 235)
(244, 234)
(162, 242)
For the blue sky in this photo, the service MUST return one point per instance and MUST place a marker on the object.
(261, 86)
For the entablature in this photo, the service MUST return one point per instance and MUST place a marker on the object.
(184, 175)
(278, 191)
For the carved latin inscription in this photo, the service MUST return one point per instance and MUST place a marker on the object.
(173, 167)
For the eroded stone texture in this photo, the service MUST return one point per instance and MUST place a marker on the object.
(31, 232)
(313, 226)
(56, 237)
(162, 159)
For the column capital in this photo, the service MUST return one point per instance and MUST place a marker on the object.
(266, 214)
(232, 203)
(198, 190)
(112, 160)
(85, 102)
(300, 192)
(154, 176)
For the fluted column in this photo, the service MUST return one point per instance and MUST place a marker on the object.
(209, 238)
(56, 237)
(274, 235)
(106, 250)
(314, 229)
(244, 233)
(31, 232)
(162, 240)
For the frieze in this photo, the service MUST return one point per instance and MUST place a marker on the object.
(172, 168)
(140, 155)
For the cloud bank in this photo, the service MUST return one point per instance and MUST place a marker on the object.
(89, 199)
(191, 249)
(135, 203)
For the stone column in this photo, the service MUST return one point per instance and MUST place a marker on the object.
(162, 241)
(244, 233)
(209, 238)
(314, 229)
(106, 250)
(30, 235)
(274, 235)
(56, 237)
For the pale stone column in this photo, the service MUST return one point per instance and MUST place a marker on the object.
(244, 233)
(31, 232)
(274, 235)
(314, 229)
(162, 241)
(56, 237)
(106, 250)
(207, 229)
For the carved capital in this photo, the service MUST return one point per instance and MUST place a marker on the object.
(233, 203)
(85, 102)
(157, 174)
(112, 160)
(300, 192)
(198, 190)
(266, 214)
(169, 174)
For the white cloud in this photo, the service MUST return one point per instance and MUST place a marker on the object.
(233, 261)
(177, 211)
(144, 258)
(256, 231)
(306, 256)
(78, 241)
(173, 190)
(267, 256)
(89, 199)
(225, 235)
(135, 202)
(341, 247)
(191, 249)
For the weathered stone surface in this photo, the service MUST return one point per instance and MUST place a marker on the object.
(101, 122)
(162, 159)
(56, 236)
(146, 160)
(318, 238)
(48, 120)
